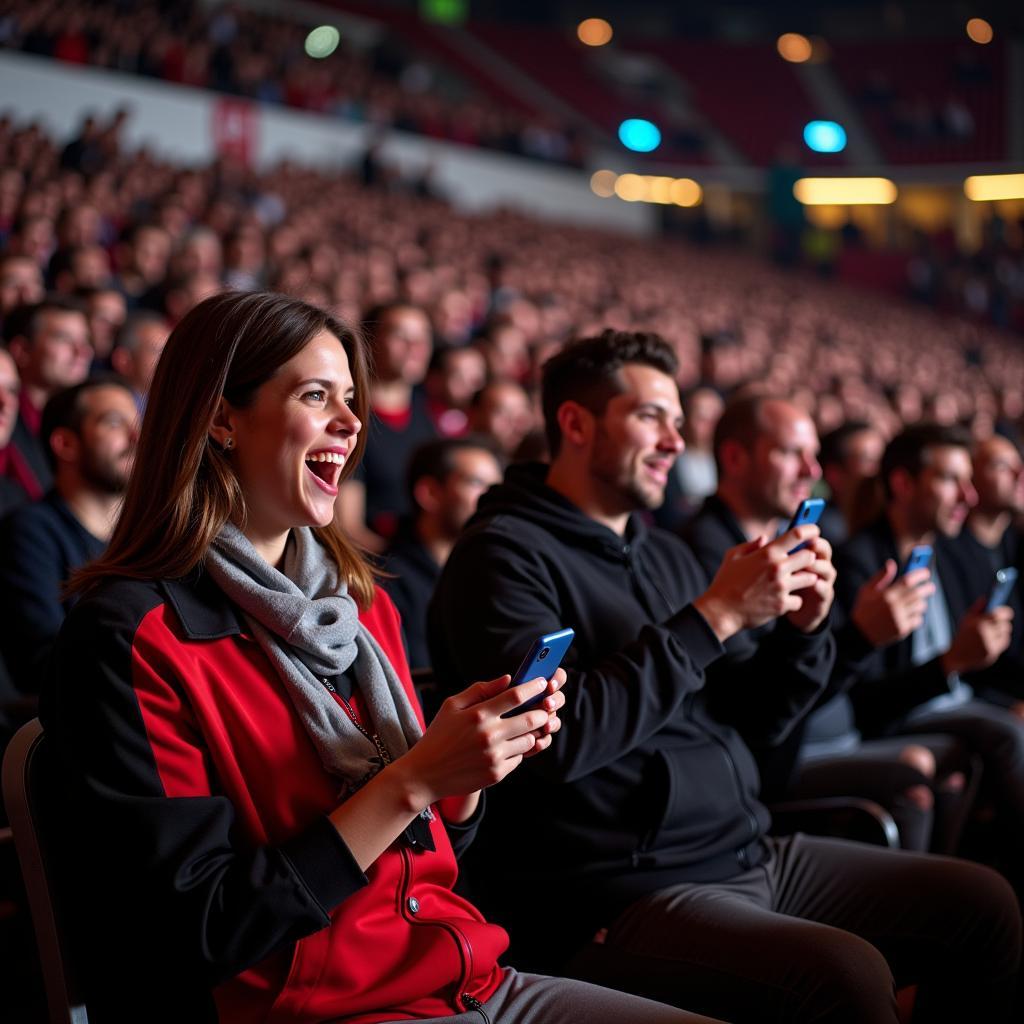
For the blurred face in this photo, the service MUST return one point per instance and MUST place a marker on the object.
(107, 435)
(150, 341)
(91, 267)
(21, 282)
(106, 316)
(476, 469)
(464, 375)
(942, 495)
(784, 464)
(60, 353)
(292, 441)
(10, 386)
(637, 440)
(150, 253)
(864, 454)
(702, 414)
(505, 415)
(402, 346)
(999, 476)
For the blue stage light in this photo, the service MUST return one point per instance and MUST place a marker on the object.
(825, 136)
(639, 135)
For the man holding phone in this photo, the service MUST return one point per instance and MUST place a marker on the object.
(643, 824)
(766, 450)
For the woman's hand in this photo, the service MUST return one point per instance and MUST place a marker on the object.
(469, 746)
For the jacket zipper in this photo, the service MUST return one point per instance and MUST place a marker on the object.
(741, 853)
(463, 944)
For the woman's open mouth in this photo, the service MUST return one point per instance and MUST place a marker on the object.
(325, 468)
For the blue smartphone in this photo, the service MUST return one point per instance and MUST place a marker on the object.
(545, 656)
(920, 558)
(1004, 583)
(808, 511)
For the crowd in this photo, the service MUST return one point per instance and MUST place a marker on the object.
(203, 483)
(244, 52)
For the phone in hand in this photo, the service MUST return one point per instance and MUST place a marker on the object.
(920, 558)
(544, 657)
(808, 511)
(1002, 587)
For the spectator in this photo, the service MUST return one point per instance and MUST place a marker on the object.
(850, 457)
(372, 503)
(644, 821)
(445, 479)
(50, 345)
(90, 431)
(106, 310)
(21, 284)
(138, 349)
(12, 492)
(502, 410)
(694, 476)
(454, 376)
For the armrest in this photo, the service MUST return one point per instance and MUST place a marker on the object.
(842, 817)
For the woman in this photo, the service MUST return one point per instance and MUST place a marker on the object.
(262, 828)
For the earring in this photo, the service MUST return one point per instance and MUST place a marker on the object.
(229, 443)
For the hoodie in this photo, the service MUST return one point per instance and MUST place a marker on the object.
(643, 786)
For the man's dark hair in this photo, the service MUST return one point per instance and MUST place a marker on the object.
(67, 409)
(23, 321)
(741, 422)
(375, 314)
(436, 459)
(909, 450)
(834, 444)
(586, 371)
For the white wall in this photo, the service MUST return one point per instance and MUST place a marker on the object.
(178, 123)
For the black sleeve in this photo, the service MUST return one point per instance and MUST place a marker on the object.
(32, 571)
(613, 704)
(172, 872)
(461, 834)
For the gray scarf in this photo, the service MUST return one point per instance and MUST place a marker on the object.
(308, 626)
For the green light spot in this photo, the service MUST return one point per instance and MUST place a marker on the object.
(322, 41)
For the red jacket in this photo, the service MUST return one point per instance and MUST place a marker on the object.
(201, 805)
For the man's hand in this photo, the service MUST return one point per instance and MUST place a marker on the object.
(758, 581)
(980, 639)
(818, 597)
(888, 609)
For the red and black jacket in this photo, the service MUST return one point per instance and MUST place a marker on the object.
(208, 882)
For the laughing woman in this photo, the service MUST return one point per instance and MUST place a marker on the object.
(258, 825)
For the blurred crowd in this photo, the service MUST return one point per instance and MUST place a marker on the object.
(241, 52)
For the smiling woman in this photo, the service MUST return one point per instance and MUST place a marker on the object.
(263, 824)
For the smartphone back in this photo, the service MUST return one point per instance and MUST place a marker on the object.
(543, 658)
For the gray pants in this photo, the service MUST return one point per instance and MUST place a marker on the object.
(824, 931)
(534, 999)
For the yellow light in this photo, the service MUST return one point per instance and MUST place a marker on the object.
(659, 190)
(979, 31)
(630, 187)
(986, 187)
(845, 191)
(794, 47)
(594, 32)
(686, 192)
(602, 183)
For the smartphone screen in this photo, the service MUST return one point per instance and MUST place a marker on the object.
(808, 511)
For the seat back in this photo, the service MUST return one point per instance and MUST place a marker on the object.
(25, 779)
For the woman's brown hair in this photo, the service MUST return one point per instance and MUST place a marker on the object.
(182, 488)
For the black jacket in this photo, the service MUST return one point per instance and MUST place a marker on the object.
(757, 662)
(415, 574)
(888, 685)
(643, 786)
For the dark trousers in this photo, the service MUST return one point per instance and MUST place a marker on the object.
(825, 930)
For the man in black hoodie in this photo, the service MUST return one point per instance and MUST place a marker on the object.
(642, 827)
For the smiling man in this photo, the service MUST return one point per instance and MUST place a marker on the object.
(643, 826)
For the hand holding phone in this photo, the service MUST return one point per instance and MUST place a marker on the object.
(543, 658)
(1002, 587)
(808, 512)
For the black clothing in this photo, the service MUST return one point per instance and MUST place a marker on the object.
(11, 496)
(385, 461)
(754, 657)
(888, 685)
(40, 546)
(33, 452)
(411, 587)
(643, 786)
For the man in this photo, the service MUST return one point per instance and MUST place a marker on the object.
(694, 476)
(90, 431)
(850, 456)
(502, 410)
(766, 453)
(373, 501)
(137, 351)
(21, 283)
(50, 345)
(917, 685)
(445, 480)
(990, 541)
(12, 493)
(644, 825)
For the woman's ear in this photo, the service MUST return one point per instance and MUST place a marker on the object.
(222, 428)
